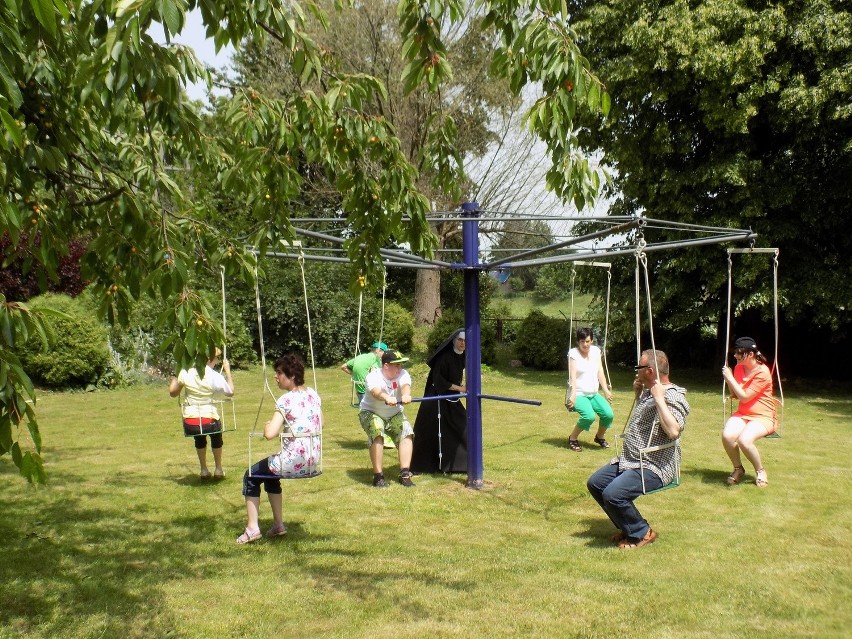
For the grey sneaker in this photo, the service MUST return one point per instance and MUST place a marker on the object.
(379, 481)
(405, 479)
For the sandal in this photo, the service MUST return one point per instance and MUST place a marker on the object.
(761, 481)
(247, 537)
(618, 537)
(574, 445)
(649, 538)
(277, 531)
(600, 441)
(736, 476)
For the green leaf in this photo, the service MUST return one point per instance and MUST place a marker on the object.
(173, 16)
(12, 93)
(43, 10)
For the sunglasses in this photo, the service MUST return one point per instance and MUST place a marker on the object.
(639, 368)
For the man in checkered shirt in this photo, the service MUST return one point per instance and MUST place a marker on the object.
(658, 417)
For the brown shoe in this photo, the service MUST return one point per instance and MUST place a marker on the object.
(649, 538)
(618, 537)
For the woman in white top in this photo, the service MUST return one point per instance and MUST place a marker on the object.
(586, 378)
(200, 416)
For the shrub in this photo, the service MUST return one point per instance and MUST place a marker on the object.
(81, 353)
(542, 342)
(398, 332)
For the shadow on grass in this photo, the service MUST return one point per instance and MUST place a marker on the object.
(707, 475)
(597, 532)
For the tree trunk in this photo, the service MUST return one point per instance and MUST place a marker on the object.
(427, 297)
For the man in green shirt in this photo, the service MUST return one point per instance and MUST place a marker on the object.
(359, 366)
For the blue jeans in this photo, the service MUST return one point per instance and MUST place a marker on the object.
(615, 491)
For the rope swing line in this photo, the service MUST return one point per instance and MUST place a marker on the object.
(315, 469)
(608, 267)
(774, 370)
(215, 404)
(642, 264)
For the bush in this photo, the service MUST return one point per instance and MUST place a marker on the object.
(81, 353)
(398, 332)
(542, 342)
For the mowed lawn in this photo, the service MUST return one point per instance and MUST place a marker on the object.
(126, 541)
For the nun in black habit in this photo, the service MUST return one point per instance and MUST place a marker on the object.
(444, 450)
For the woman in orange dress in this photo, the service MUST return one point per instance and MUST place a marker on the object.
(751, 383)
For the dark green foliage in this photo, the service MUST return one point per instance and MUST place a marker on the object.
(542, 342)
(80, 355)
(333, 313)
(398, 330)
(553, 282)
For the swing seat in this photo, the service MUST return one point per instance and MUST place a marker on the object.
(643, 453)
(300, 457)
(195, 426)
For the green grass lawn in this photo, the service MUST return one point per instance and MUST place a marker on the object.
(520, 305)
(126, 541)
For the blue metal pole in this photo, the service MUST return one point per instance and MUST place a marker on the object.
(473, 368)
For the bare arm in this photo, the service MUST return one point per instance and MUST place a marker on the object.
(669, 423)
(572, 381)
(602, 381)
(273, 427)
(226, 371)
(175, 387)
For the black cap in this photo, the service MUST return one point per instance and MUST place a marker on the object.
(746, 344)
(393, 357)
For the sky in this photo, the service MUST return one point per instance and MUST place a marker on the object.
(193, 36)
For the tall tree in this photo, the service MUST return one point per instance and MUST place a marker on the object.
(95, 122)
(733, 113)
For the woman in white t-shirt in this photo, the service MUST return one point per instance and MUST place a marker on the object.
(586, 377)
(200, 415)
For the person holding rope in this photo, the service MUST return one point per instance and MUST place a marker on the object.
(440, 430)
(299, 410)
(660, 407)
(200, 416)
(586, 378)
(381, 415)
(360, 365)
(751, 383)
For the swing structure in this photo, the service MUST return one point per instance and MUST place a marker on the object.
(608, 267)
(196, 426)
(334, 246)
(310, 441)
(727, 400)
(362, 281)
(648, 452)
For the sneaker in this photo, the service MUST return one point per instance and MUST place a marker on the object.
(600, 441)
(405, 479)
(379, 481)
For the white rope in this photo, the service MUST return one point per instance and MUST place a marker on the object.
(301, 261)
(224, 319)
(384, 290)
(606, 324)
